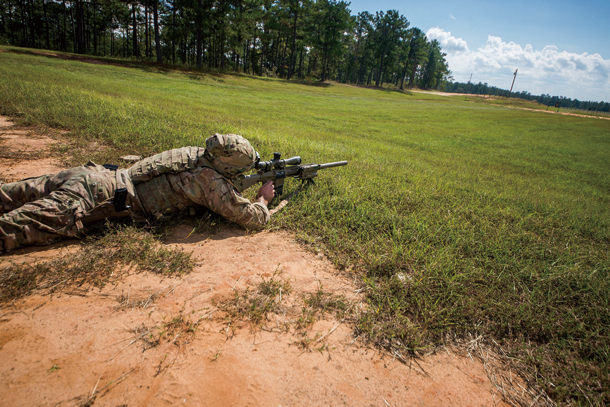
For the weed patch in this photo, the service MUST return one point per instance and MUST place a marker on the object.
(271, 306)
(254, 306)
(178, 326)
(320, 303)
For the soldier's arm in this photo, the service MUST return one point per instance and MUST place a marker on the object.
(208, 188)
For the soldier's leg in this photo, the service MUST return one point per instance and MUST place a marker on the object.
(55, 216)
(15, 194)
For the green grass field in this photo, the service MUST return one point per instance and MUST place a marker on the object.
(461, 217)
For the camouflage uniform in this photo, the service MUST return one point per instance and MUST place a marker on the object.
(42, 210)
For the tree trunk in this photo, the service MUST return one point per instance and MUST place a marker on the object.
(86, 20)
(404, 73)
(283, 61)
(236, 55)
(3, 16)
(157, 39)
(8, 26)
(247, 55)
(173, 28)
(252, 53)
(65, 39)
(10, 21)
(80, 27)
(380, 73)
(23, 25)
(136, 51)
(73, 24)
(221, 48)
(57, 34)
(31, 23)
(294, 44)
(263, 53)
(312, 66)
(183, 53)
(95, 39)
(301, 64)
(46, 22)
(146, 43)
(277, 48)
(199, 34)
(324, 63)
(412, 78)
(199, 48)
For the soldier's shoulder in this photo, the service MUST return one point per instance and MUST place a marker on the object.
(206, 172)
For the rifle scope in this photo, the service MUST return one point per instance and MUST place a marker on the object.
(276, 163)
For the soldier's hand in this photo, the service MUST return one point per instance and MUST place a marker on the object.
(266, 193)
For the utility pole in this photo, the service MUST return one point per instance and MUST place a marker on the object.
(511, 86)
(469, 80)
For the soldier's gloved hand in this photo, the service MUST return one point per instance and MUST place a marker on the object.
(266, 193)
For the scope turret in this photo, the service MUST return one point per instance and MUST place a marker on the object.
(277, 163)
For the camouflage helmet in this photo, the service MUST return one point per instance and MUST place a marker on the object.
(230, 154)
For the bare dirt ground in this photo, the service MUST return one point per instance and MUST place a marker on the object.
(99, 348)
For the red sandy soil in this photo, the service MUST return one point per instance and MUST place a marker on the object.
(61, 349)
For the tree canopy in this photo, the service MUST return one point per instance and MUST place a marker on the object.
(317, 39)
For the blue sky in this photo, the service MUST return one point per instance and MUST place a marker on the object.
(560, 47)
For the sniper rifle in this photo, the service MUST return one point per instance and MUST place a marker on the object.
(277, 170)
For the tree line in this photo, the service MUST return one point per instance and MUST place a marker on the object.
(318, 39)
(545, 99)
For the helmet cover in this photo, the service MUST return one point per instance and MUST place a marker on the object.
(230, 154)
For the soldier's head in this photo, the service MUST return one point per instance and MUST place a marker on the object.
(230, 154)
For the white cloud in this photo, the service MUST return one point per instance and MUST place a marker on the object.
(582, 76)
(451, 15)
(448, 41)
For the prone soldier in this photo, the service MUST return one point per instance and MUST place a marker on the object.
(43, 210)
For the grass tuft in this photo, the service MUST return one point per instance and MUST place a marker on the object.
(254, 306)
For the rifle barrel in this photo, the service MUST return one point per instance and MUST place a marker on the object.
(335, 164)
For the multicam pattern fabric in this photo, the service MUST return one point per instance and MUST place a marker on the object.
(207, 188)
(168, 162)
(158, 198)
(230, 154)
(44, 209)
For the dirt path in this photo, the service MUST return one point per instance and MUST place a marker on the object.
(60, 350)
(511, 107)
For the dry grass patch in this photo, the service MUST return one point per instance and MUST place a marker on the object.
(121, 250)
